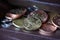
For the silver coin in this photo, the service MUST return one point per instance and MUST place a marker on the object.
(32, 23)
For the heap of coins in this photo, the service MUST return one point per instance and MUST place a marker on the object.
(11, 15)
(36, 19)
(50, 27)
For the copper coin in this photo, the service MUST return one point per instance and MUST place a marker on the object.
(40, 14)
(13, 16)
(16, 13)
(56, 21)
(47, 29)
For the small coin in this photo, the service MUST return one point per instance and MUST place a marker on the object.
(56, 21)
(47, 29)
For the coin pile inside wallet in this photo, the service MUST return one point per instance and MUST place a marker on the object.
(37, 20)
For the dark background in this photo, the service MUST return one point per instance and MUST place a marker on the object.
(51, 1)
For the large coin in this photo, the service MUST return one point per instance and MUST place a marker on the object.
(40, 14)
(32, 23)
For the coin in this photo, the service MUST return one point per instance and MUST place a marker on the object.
(56, 21)
(16, 13)
(40, 14)
(19, 22)
(47, 29)
(32, 23)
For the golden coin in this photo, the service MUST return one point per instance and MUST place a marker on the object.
(19, 23)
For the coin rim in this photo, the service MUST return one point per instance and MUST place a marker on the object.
(54, 23)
